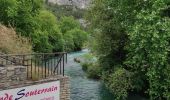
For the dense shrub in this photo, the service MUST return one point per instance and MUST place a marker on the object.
(68, 42)
(90, 66)
(40, 41)
(149, 47)
(94, 71)
(85, 66)
(133, 34)
(20, 14)
(74, 36)
(48, 24)
(120, 83)
(79, 37)
(57, 41)
(68, 23)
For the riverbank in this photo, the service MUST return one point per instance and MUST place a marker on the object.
(83, 88)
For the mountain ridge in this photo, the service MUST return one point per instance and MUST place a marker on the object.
(81, 4)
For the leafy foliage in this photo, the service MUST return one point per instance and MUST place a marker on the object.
(31, 20)
(149, 47)
(20, 14)
(94, 71)
(75, 36)
(133, 35)
(48, 24)
(69, 43)
(68, 23)
(90, 66)
(119, 83)
(40, 41)
(79, 37)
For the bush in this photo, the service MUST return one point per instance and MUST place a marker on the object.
(40, 42)
(11, 43)
(119, 83)
(85, 66)
(94, 71)
(57, 41)
(48, 24)
(90, 66)
(79, 37)
(68, 23)
(20, 14)
(74, 36)
(69, 43)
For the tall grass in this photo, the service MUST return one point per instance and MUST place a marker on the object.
(10, 42)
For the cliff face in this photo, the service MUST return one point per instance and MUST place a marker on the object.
(82, 4)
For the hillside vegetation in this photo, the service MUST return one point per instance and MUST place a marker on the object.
(32, 20)
(11, 43)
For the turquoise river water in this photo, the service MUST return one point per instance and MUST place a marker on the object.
(83, 88)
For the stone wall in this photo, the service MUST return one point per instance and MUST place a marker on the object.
(65, 88)
(12, 73)
(16, 77)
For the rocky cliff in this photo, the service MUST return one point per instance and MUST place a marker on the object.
(82, 4)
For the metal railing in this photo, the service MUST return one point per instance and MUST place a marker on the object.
(38, 65)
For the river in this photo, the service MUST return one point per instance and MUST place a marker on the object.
(83, 88)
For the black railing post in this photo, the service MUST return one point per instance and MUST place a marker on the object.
(60, 65)
(51, 65)
(42, 65)
(48, 67)
(54, 60)
(31, 68)
(39, 65)
(63, 64)
(45, 69)
(27, 69)
(35, 64)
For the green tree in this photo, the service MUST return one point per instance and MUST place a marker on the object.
(48, 23)
(149, 47)
(68, 23)
(134, 35)
(79, 37)
(8, 11)
(69, 43)
(31, 20)
(73, 35)
(40, 41)
(20, 14)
